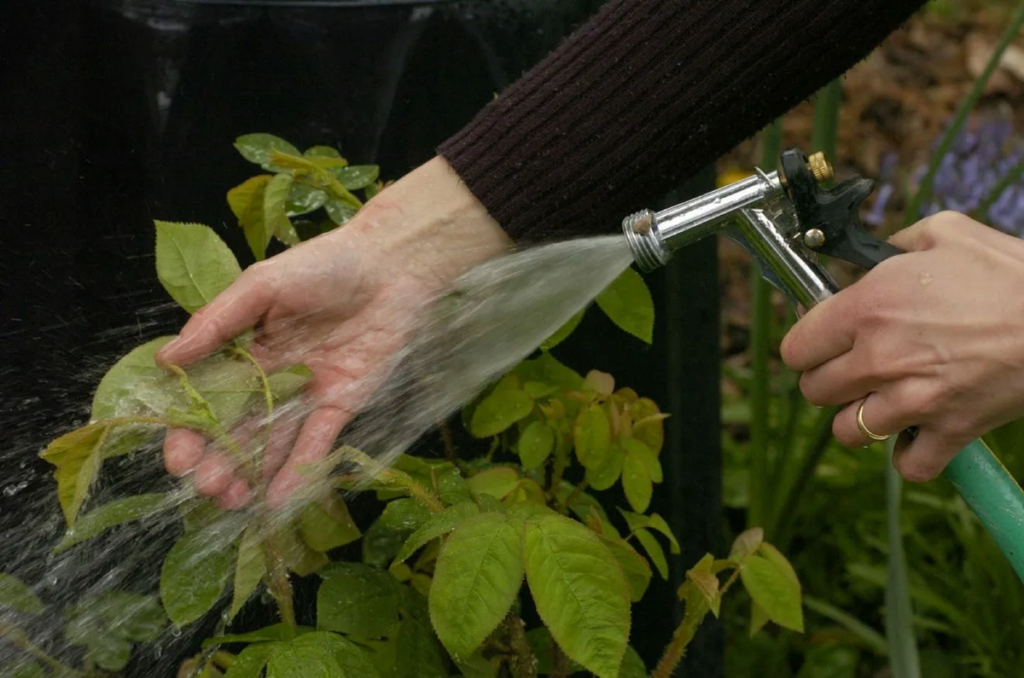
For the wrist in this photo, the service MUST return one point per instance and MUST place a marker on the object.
(431, 224)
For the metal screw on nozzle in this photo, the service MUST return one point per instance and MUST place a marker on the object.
(814, 238)
(821, 168)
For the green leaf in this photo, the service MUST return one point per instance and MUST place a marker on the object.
(542, 645)
(22, 669)
(547, 370)
(303, 199)
(499, 411)
(746, 543)
(758, 619)
(121, 392)
(250, 662)
(275, 214)
(306, 661)
(632, 665)
(339, 212)
(111, 515)
(267, 634)
(350, 658)
(580, 592)
(257, 148)
(327, 524)
(497, 481)
(830, 661)
(535, 445)
(707, 585)
(635, 568)
(193, 263)
(77, 457)
(418, 654)
(643, 454)
(563, 332)
(478, 574)
(286, 383)
(648, 423)
(637, 483)
(246, 201)
(628, 303)
(438, 525)
(356, 177)
(106, 625)
(592, 436)
(17, 596)
(658, 523)
(250, 566)
(357, 600)
(774, 589)
(194, 574)
(654, 550)
(322, 152)
(403, 515)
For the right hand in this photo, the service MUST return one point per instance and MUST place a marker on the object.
(341, 304)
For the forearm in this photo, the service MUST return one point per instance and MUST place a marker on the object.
(646, 94)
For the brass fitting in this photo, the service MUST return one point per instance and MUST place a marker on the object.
(821, 168)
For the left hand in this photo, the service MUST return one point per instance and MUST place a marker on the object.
(933, 338)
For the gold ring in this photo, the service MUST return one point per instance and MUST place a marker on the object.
(863, 428)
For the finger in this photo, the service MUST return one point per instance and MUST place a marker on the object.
(313, 443)
(234, 310)
(926, 456)
(183, 449)
(236, 496)
(824, 333)
(838, 381)
(882, 416)
(283, 432)
(213, 474)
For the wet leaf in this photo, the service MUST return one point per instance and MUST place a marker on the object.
(327, 524)
(110, 515)
(546, 369)
(542, 645)
(497, 481)
(275, 215)
(306, 661)
(608, 473)
(563, 332)
(643, 454)
(775, 589)
(498, 411)
(746, 543)
(193, 263)
(628, 303)
(351, 659)
(107, 624)
(268, 634)
(658, 523)
(122, 392)
(357, 600)
(356, 177)
(707, 585)
(195, 572)
(637, 483)
(246, 201)
(403, 515)
(648, 424)
(250, 662)
(288, 382)
(634, 566)
(303, 199)
(228, 385)
(654, 551)
(580, 592)
(417, 651)
(77, 457)
(632, 665)
(250, 566)
(22, 669)
(535, 445)
(592, 436)
(18, 596)
(477, 577)
(339, 212)
(322, 152)
(257, 148)
(438, 525)
(298, 556)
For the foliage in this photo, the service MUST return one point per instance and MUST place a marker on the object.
(440, 588)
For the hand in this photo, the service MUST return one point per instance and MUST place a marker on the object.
(933, 338)
(341, 304)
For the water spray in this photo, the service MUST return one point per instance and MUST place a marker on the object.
(786, 220)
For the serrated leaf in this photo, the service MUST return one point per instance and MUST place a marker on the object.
(542, 645)
(121, 391)
(250, 566)
(275, 215)
(107, 624)
(477, 576)
(194, 574)
(639, 451)
(634, 566)
(404, 515)
(536, 443)
(250, 662)
(654, 550)
(773, 588)
(498, 411)
(546, 369)
(538, 390)
(290, 660)
(580, 592)
(303, 199)
(77, 457)
(648, 423)
(758, 619)
(632, 665)
(707, 585)
(258, 148)
(339, 212)
(658, 523)
(628, 303)
(350, 658)
(417, 651)
(592, 436)
(637, 483)
(327, 524)
(228, 385)
(286, 383)
(110, 515)
(246, 201)
(438, 525)
(356, 177)
(746, 543)
(193, 264)
(18, 596)
(357, 600)
(563, 332)
(608, 473)
(298, 556)
(497, 481)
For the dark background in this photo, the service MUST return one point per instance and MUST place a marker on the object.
(116, 113)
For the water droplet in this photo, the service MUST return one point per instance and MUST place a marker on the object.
(176, 632)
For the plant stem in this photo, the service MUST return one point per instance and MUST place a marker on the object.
(277, 581)
(760, 339)
(684, 633)
(820, 439)
(924, 191)
(522, 662)
(1011, 177)
(826, 119)
(560, 667)
(448, 439)
(573, 496)
(19, 639)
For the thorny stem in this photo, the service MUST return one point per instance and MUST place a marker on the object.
(277, 582)
(450, 452)
(427, 498)
(560, 667)
(18, 638)
(269, 399)
(522, 662)
(676, 647)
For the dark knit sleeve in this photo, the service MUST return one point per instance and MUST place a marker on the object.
(646, 94)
